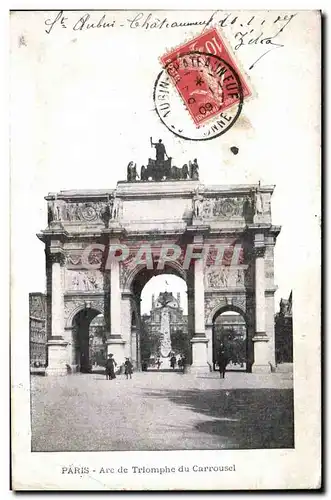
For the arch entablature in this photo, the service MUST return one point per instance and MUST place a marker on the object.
(128, 275)
(75, 306)
(217, 305)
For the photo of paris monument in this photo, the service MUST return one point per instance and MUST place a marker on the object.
(203, 361)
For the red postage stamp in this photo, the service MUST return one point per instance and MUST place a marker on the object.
(206, 76)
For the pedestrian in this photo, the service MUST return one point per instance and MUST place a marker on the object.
(158, 363)
(110, 367)
(128, 368)
(173, 362)
(222, 361)
(181, 363)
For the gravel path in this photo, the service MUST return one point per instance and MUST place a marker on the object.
(161, 411)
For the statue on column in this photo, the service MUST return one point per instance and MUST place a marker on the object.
(117, 208)
(247, 209)
(198, 203)
(106, 214)
(258, 201)
(54, 213)
(50, 213)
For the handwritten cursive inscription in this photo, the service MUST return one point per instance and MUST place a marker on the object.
(244, 30)
(84, 23)
(150, 22)
(59, 19)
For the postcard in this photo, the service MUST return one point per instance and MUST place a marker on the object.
(165, 249)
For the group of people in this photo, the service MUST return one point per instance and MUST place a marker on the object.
(111, 365)
(173, 362)
(180, 362)
(223, 360)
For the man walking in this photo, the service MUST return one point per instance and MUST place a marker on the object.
(110, 367)
(128, 368)
(222, 361)
(181, 363)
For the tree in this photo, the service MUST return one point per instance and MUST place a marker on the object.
(149, 342)
(180, 342)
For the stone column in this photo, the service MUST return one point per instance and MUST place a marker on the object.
(71, 349)
(134, 346)
(57, 346)
(199, 341)
(261, 351)
(115, 343)
(209, 335)
(126, 315)
(190, 315)
(138, 330)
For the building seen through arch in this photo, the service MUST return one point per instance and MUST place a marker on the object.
(164, 331)
(229, 330)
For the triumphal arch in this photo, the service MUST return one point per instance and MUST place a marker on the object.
(103, 246)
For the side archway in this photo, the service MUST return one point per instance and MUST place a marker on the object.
(78, 316)
(74, 307)
(229, 332)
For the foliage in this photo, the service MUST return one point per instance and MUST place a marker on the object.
(149, 344)
(234, 345)
(180, 342)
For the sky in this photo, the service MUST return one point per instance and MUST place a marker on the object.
(163, 283)
(82, 108)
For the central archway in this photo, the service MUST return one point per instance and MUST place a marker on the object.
(160, 325)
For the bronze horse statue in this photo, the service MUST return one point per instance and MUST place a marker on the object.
(158, 171)
(180, 173)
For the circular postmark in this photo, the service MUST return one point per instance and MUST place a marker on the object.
(198, 96)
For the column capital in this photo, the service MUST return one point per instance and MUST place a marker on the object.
(54, 233)
(260, 337)
(115, 339)
(200, 231)
(259, 250)
(57, 257)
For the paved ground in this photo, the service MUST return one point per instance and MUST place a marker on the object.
(161, 411)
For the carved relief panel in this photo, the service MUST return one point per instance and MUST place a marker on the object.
(223, 208)
(211, 303)
(74, 258)
(84, 281)
(269, 264)
(225, 277)
(89, 212)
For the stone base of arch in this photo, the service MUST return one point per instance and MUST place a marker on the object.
(199, 356)
(116, 347)
(57, 357)
(261, 353)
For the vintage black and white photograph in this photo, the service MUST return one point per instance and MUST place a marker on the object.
(165, 259)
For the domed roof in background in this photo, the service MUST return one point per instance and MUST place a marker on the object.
(167, 299)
